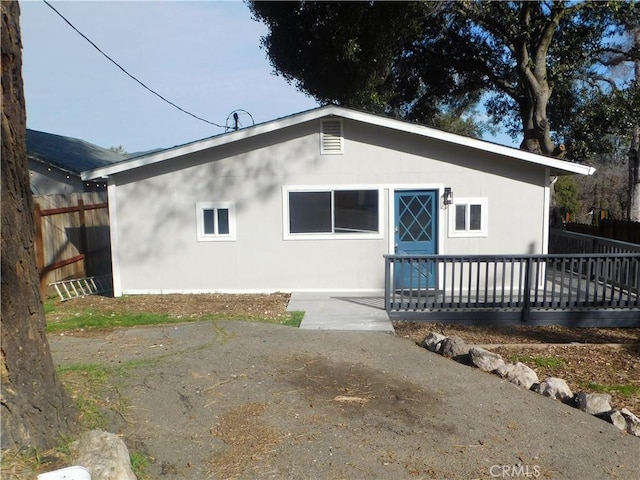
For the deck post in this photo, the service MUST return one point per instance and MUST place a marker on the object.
(526, 305)
(387, 284)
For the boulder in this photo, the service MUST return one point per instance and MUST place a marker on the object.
(104, 455)
(633, 422)
(554, 388)
(518, 374)
(593, 403)
(614, 417)
(433, 341)
(484, 359)
(454, 347)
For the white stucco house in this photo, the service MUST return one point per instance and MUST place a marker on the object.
(312, 202)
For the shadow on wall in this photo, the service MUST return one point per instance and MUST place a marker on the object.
(248, 172)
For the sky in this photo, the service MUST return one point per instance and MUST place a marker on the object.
(203, 56)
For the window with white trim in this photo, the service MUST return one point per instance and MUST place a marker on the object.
(468, 217)
(216, 221)
(344, 213)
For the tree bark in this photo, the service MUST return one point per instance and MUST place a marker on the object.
(35, 409)
(634, 148)
(531, 58)
(634, 175)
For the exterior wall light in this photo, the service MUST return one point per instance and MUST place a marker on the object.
(448, 196)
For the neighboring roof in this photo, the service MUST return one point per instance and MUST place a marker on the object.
(557, 167)
(69, 154)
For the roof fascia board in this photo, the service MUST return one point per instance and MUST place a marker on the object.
(207, 143)
(51, 165)
(553, 163)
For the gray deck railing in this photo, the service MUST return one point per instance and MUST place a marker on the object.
(585, 289)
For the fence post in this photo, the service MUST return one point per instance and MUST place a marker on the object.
(83, 235)
(39, 246)
(526, 307)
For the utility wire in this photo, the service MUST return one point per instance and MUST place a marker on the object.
(127, 73)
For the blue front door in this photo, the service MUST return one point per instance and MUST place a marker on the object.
(416, 229)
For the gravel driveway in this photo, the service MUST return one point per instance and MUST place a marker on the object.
(247, 400)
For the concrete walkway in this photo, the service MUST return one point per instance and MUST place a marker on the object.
(341, 311)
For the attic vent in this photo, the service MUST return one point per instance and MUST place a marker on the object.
(331, 137)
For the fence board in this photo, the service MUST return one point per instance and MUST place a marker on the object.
(70, 226)
(615, 229)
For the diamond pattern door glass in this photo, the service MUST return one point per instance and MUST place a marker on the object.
(415, 219)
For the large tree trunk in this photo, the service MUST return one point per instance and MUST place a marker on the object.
(531, 58)
(634, 148)
(634, 175)
(34, 406)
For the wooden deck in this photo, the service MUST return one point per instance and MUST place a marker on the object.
(575, 290)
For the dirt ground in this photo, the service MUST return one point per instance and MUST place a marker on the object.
(228, 400)
(589, 357)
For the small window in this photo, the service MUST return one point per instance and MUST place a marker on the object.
(332, 212)
(215, 221)
(468, 218)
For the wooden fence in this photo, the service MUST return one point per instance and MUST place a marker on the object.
(614, 229)
(71, 236)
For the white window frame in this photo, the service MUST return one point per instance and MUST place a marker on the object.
(215, 237)
(484, 217)
(330, 235)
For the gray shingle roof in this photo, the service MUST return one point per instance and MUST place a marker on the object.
(71, 154)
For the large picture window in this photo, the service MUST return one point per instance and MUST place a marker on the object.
(468, 218)
(215, 221)
(338, 212)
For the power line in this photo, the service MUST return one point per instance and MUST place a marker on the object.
(127, 73)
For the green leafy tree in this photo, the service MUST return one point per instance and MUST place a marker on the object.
(120, 150)
(604, 108)
(417, 59)
(567, 196)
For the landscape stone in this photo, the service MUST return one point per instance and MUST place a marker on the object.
(633, 422)
(518, 374)
(432, 341)
(593, 403)
(454, 347)
(554, 388)
(104, 455)
(614, 417)
(485, 360)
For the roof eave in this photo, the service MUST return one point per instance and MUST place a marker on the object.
(556, 166)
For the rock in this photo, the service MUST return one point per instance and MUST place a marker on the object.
(433, 341)
(518, 373)
(104, 455)
(593, 403)
(554, 388)
(484, 359)
(633, 422)
(454, 347)
(615, 417)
